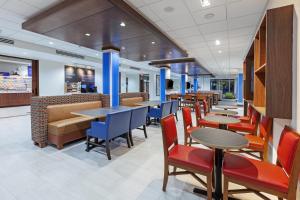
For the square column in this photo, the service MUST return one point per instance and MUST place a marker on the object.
(163, 84)
(183, 84)
(195, 85)
(111, 60)
(239, 91)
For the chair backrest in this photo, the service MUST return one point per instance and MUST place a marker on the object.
(249, 110)
(175, 104)
(265, 127)
(118, 123)
(166, 108)
(287, 147)
(255, 117)
(198, 112)
(138, 117)
(169, 133)
(205, 107)
(187, 119)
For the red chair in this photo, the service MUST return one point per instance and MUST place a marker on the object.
(260, 176)
(247, 127)
(260, 143)
(201, 122)
(247, 119)
(205, 107)
(188, 125)
(191, 159)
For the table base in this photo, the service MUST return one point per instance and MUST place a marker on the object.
(204, 193)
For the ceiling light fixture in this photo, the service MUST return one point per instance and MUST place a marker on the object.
(152, 42)
(218, 42)
(123, 48)
(219, 51)
(51, 43)
(87, 34)
(123, 24)
(209, 15)
(205, 3)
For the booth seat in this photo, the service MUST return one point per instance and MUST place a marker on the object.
(131, 101)
(64, 127)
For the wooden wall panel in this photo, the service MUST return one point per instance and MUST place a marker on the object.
(259, 84)
(279, 62)
(35, 78)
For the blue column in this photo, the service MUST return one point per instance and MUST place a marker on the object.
(111, 75)
(195, 84)
(240, 88)
(163, 84)
(183, 84)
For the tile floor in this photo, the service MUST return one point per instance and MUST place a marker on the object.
(28, 172)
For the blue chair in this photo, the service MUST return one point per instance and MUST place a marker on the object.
(115, 125)
(161, 112)
(174, 108)
(138, 119)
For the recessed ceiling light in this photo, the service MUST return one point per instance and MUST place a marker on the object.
(97, 54)
(169, 9)
(25, 53)
(205, 3)
(219, 51)
(144, 56)
(209, 15)
(87, 34)
(218, 42)
(123, 48)
(51, 43)
(123, 24)
(152, 42)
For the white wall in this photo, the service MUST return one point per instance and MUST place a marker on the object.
(51, 78)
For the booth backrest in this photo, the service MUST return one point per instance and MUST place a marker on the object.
(131, 101)
(128, 95)
(63, 111)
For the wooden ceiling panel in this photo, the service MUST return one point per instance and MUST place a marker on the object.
(72, 19)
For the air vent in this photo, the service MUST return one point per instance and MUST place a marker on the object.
(135, 68)
(73, 55)
(7, 41)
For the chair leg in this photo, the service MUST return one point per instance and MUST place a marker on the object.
(166, 176)
(174, 169)
(107, 150)
(191, 140)
(130, 137)
(185, 141)
(128, 140)
(176, 116)
(145, 131)
(88, 143)
(209, 187)
(225, 194)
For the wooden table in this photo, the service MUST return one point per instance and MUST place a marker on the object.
(227, 107)
(100, 112)
(220, 140)
(224, 112)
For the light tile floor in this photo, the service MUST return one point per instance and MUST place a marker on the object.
(28, 172)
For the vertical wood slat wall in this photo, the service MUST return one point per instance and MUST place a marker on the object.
(271, 65)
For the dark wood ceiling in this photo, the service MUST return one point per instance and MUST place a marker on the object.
(72, 19)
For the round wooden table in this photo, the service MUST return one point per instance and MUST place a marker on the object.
(224, 112)
(227, 107)
(220, 140)
(222, 120)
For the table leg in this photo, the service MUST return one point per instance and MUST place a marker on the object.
(218, 173)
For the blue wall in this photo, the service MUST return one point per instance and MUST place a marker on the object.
(163, 84)
(239, 95)
(183, 84)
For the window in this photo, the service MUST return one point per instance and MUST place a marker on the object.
(224, 85)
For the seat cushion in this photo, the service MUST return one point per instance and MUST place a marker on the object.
(255, 142)
(242, 127)
(131, 101)
(69, 125)
(205, 123)
(192, 157)
(255, 172)
(245, 119)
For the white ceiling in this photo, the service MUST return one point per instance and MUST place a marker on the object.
(234, 24)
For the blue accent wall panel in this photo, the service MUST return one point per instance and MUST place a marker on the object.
(106, 72)
(240, 88)
(115, 78)
(163, 84)
(183, 84)
(195, 84)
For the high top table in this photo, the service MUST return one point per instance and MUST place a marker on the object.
(220, 140)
